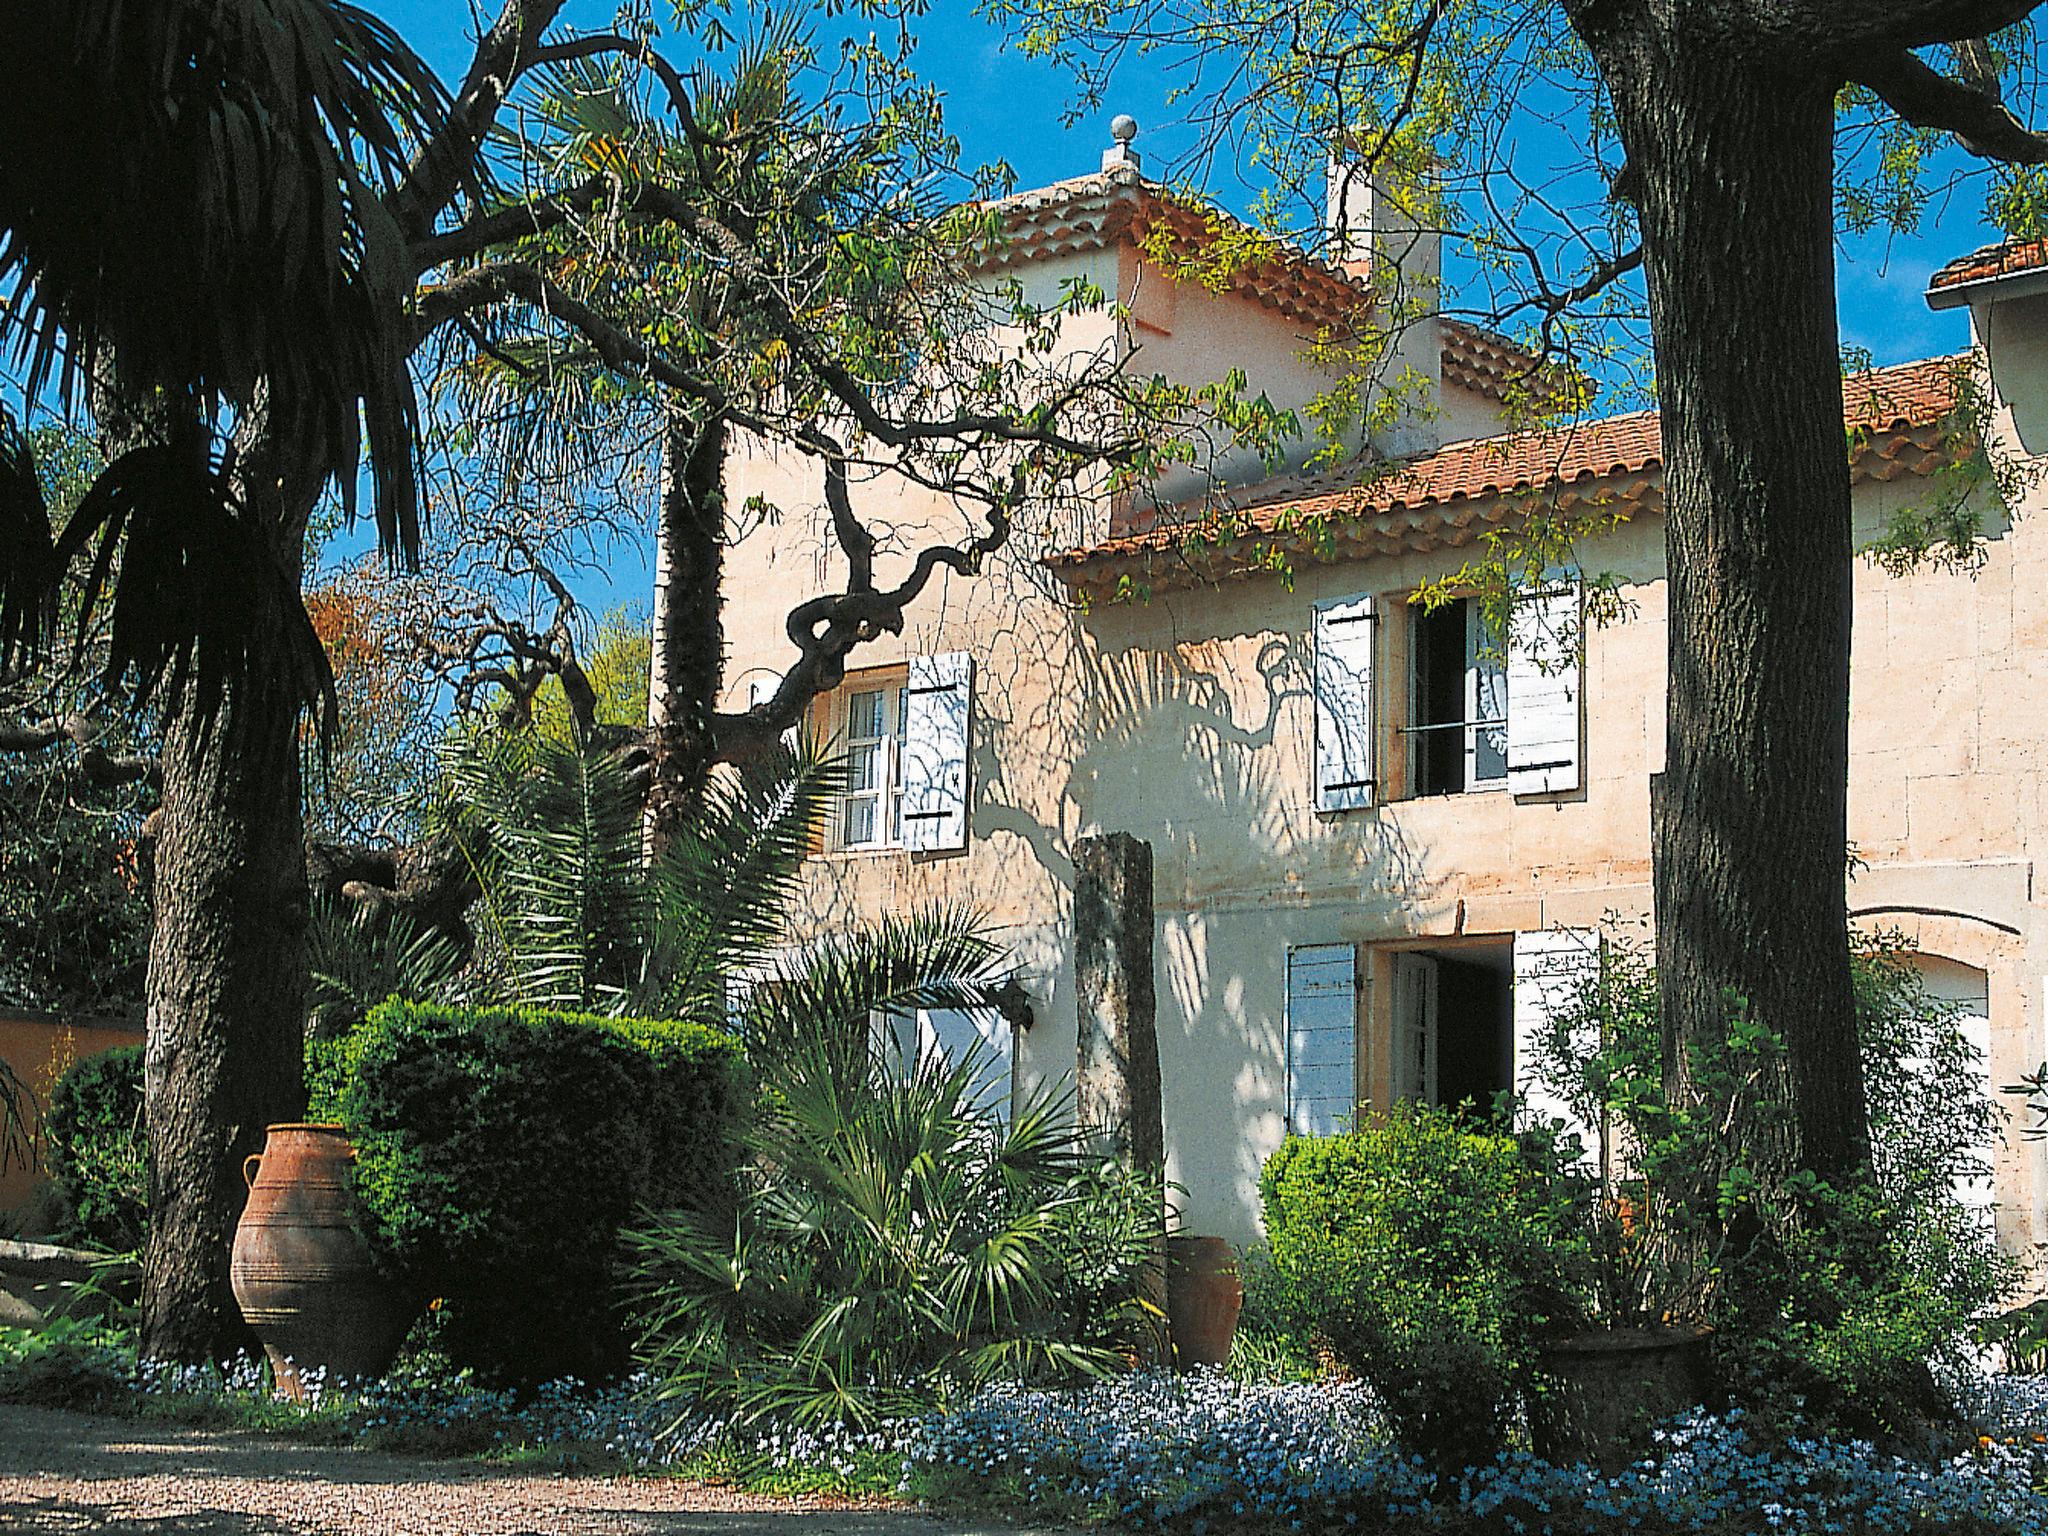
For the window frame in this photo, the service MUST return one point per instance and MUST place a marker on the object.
(885, 794)
(1469, 724)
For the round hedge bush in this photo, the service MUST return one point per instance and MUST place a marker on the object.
(1430, 1258)
(500, 1151)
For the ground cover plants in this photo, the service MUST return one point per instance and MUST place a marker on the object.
(1192, 1454)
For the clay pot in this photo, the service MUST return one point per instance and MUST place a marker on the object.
(1203, 1298)
(1604, 1392)
(302, 1273)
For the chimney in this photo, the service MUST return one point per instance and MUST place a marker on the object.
(1382, 226)
(1120, 156)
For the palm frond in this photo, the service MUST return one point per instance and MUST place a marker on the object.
(359, 958)
(27, 556)
(198, 592)
(935, 957)
(193, 186)
(553, 833)
(725, 879)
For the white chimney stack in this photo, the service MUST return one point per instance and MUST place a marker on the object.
(1381, 228)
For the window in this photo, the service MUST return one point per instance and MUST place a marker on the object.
(1452, 1024)
(1471, 718)
(905, 735)
(1458, 703)
(948, 1038)
(871, 811)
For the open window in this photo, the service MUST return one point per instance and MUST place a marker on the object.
(1457, 727)
(1453, 1024)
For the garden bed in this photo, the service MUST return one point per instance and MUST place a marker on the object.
(1195, 1454)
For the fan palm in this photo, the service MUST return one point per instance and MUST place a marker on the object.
(191, 203)
(896, 1232)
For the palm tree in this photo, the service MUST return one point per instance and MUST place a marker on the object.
(197, 239)
(896, 1231)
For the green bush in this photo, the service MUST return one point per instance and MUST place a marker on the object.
(1430, 1259)
(1828, 1302)
(500, 1150)
(97, 1148)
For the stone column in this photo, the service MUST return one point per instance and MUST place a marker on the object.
(1116, 1073)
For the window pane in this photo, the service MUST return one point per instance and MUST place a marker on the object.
(863, 769)
(1489, 703)
(864, 716)
(1490, 744)
(860, 822)
(1436, 739)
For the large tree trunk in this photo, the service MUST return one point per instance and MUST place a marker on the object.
(227, 971)
(689, 638)
(1732, 160)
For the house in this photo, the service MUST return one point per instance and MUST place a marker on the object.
(1381, 847)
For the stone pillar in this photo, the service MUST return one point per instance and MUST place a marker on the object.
(1116, 1074)
(1116, 1071)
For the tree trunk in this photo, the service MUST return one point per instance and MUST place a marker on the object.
(227, 970)
(689, 639)
(1733, 164)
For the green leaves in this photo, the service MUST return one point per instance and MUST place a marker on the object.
(894, 1235)
(500, 1150)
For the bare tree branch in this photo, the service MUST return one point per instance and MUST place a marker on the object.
(1855, 24)
(442, 164)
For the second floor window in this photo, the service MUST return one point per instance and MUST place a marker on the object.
(905, 734)
(1458, 716)
(1472, 717)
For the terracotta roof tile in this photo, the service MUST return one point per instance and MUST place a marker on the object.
(1088, 213)
(1991, 261)
(1451, 496)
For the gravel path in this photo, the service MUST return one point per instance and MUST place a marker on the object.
(66, 1473)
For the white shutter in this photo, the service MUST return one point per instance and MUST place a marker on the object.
(895, 1040)
(1543, 688)
(1322, 1038)
(954, 1033)
(1979, 1192)
(1963, 997)
(1415, 1028)
(1344, 712)
(936, 709)
(1553, 967)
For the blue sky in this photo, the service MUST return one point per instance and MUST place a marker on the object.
(1002, 105)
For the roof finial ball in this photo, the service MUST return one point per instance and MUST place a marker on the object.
(1123, 128)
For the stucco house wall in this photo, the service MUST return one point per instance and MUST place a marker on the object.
(1188, 719)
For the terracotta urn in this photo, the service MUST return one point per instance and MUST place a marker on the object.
(302, 1273)
(1203, 1298)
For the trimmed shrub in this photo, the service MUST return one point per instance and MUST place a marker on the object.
(98, 1150)
(1429, 1258)
(500, 1150)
